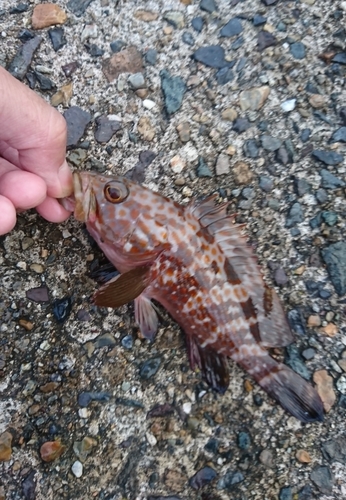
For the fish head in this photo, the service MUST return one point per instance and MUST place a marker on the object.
(119, 212)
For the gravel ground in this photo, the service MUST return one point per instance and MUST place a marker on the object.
(178, 97)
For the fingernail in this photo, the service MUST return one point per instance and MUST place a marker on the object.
(65, 178)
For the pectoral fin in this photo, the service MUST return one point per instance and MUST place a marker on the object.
(214, 366)
(146, 316)
(124, 288)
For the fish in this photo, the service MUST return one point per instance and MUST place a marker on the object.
(195, 262)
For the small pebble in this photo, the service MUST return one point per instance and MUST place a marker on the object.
(77, 469)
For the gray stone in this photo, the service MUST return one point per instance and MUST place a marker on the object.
(117, 45)
(149, 368)
(136, 81)
(301, 186)
(22, 60)
(188, 38)
(77, 120)
(224, 75)
(211, 55)
(294, 360)
(270, 143)
(229, 480)
(197, 23)
(232, 28)
(57, 37)
(280, 277)
(151, 57)
(251, 148)
(241, 125)
(286, 493)
(334, 257)
(330, 181)
(339, 135)
(222, 164)
(295, 215)
(266, 183)
(203, 170)
(208, 5)
(321, 196)
(264, 40)
(175, 18)
(322, 478)
(78, 7)
(305, 134)
(298, 50)
(327, 157)
(173, 88)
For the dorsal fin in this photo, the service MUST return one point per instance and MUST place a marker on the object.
(273, 327)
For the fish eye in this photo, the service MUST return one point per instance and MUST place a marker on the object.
(116, 192)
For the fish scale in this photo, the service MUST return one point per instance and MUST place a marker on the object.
(196, 263)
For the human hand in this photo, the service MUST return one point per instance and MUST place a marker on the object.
(33, 168)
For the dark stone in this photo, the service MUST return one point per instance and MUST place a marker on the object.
(170, 497)
(266, 183)
(146, 157)
(322, 116)
(244, 440)
(128, 478)
(316, 221)
(208, 5)
(295, 215)
(264, 40)
(105, 129)
(117, 45)
(149, 368)
(127, 342)
(334, 257)
(270, 143)
(212, 446)
(62, 309)
(321, 196)
(297, 50)
(328, 157)
(342, 113)
(137, 173)
(241, 64)
(262, 125)
(241, 125)
(197, 23)
(340, 58)
(85, 398)
(94, 50)
(19, 9)
(163, 410)
(212, 56)
(282, 156)
(237, 43)
(78, 7)
(44, 82)
(324, 294)
(305, 493)
(22, 60)
(296, 321)
(269, 2)
(305, 134)
(129, 403)
(70, 68)
(39, 294)
(286, 493)
(251, 148)
(232, 28)
(29, 486)
(258, 20)
(25, 35)
(105, 340)
(294, 360)
(173, 88)
(322, 478)
(203, 170)
(301, 186)
(329, 181)
(280, 277)
(342, 402)
(224, 75)
(77, 120)
(329, 217)
(339, 135)
(229, 480)
(188, 38)
(202, 478)
(334, 450)
(151, 57)
(57, 38)
(258, 400)
(83, 315)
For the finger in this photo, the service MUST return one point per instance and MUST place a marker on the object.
(24, 189)
(7, 215)
(51, 210)
(37, 131)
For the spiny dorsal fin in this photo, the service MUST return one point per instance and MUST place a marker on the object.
(273, 327)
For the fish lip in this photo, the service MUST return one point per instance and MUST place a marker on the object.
(85, 206)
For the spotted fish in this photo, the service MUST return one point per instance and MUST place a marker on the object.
(194, 261)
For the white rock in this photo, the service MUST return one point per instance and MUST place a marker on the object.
(289, 105)
(22, 265)
(151, 439)
(89, 31)
(83, 413)
(177, 164)
(148, 104)
(77, 468)
(187, 407)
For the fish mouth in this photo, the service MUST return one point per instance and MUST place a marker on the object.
(82, 202)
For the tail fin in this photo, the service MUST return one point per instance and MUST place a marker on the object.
(295, 394)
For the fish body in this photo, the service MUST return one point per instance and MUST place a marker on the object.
(195, 262)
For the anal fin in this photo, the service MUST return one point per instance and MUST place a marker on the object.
(214, 366)
(146, 316)
(124, 288)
